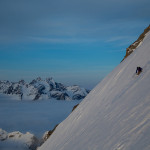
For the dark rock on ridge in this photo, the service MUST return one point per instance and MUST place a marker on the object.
(133, 46)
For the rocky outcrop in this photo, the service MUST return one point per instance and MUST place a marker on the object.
(42, 89)
(75, 107)
(48, 133)
(59, 95)
(133, 46)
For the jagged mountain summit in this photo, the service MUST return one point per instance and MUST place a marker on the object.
(116, 113)
(42, 89)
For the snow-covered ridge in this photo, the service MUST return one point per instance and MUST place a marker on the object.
(137, 43)
(116, 113)
(42, 89)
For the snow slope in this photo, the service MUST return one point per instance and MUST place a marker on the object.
(116, 113)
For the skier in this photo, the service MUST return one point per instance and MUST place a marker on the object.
(138, 70)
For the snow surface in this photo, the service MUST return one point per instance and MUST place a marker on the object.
(35, 117)
(116, 113)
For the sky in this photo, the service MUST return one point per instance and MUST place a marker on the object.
(73, 41)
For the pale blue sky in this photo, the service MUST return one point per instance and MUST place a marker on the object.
(75, 42)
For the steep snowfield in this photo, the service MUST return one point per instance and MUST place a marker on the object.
(115, 115)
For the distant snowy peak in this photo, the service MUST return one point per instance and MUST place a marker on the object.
(137, 43)
(18, 140)
(42, 89)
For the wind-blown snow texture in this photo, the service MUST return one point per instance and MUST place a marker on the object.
(115, 115)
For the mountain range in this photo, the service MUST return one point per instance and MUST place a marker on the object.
(42, 89)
